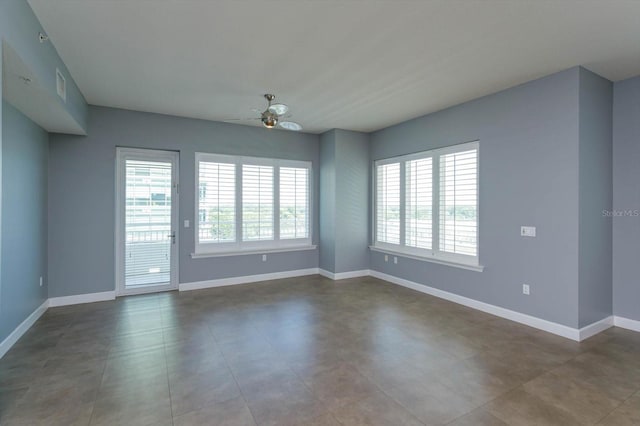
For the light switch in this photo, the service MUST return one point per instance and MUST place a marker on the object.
(186, 223)
(528, 231)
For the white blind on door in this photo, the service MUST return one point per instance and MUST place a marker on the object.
(388, 203)
(216, 202)
(148, 191)
(459, 202)
(418, 203)
(294, 203)
(257, 202)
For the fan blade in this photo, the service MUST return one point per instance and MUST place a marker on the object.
(290, 125)
(241, 119)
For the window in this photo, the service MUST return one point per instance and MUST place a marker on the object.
(216, 202)
(249, 204)
(257, 203)
(419, 203)
(427, 204)
(294, 202)
(388, 203)
(459, 202)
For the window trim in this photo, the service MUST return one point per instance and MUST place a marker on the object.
(253, 252)
(440, 261)
(240, 247)
(433, 254)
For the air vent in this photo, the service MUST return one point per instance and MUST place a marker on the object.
(61, 85)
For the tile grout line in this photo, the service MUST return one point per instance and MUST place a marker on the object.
(534, 396)
(232, 374)
(295, 373)
(166, 365)
(624, 401)
(104, 368)
(578, 384)
(314, 396)
(443, 384)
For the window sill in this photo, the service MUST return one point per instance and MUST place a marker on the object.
(477, 268)
(252, 251)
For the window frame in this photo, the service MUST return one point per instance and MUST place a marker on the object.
(433, 254)
(290, 164)
(239, 246)
(401, 202)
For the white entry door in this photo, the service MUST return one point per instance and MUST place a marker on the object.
(146, 221)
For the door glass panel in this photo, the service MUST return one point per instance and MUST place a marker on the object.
(148, 223)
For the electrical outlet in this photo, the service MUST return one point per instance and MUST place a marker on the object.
(525, 289)
(40, 281)
(386, 257)
(395, 260)
(264, 257)
(186, 223)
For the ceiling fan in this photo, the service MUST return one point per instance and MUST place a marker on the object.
(273, 116)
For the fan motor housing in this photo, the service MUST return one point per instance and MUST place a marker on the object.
(269, 119)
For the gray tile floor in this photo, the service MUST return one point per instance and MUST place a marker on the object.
(310, 351)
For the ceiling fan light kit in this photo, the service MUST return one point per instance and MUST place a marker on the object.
(269, 120)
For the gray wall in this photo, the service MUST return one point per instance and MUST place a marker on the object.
(24, 218)
(528, 176)
(328, 201)
(344, 201)
(596, 195)
(546, 125)
(22, 145)
(626, 198)
(82, 182)
(352, 201)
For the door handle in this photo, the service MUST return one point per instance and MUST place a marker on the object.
(173, 237)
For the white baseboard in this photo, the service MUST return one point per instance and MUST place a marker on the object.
(246, 279)
(25, 325)
(551, 327)
(81, 298)
(595, 328)
(627, 323)
(344, 275)
(326, 274)
(531, 321)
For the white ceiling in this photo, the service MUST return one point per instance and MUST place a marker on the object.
(359, 65)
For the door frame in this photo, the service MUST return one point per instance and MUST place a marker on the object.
(122, 155)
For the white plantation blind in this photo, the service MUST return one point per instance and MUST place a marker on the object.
(148, 192)
(459, 202)
(246, 204)
(427, 204)
(388, 203)
(294, 203)
(257, 203)
(419, 203)
(216, 202)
